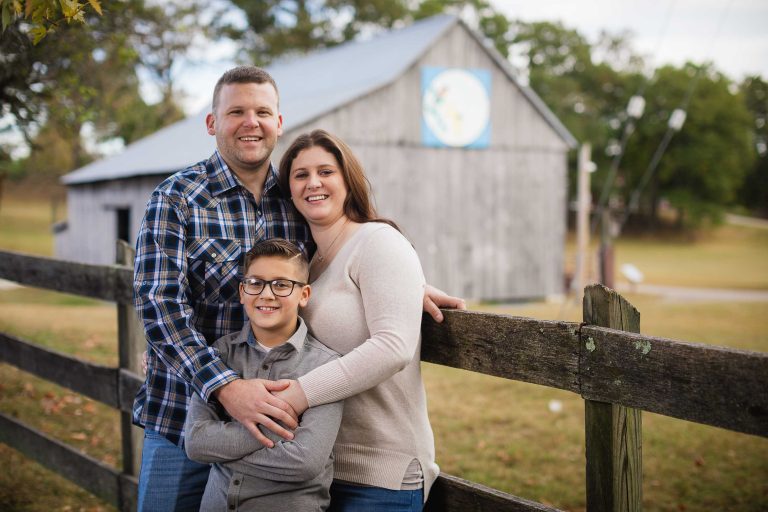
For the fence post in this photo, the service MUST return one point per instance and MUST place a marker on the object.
(613, 432)
(131, 344)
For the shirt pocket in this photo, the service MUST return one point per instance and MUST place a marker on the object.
(214, 269)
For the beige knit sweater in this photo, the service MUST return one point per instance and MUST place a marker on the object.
(367, 306)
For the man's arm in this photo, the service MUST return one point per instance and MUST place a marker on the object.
(435, 299)
(162, 299)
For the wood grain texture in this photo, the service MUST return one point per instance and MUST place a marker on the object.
(524, 349)
(613, 433)
(717, 386)
(90, 474)
(453, 494)
(92, 380)
(111, 283)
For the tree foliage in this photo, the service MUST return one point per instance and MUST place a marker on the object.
(754, 192)
(46, 16)
(284, 27)
(84, 75)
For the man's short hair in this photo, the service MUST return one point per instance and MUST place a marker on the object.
(281, 248)
(243, 75)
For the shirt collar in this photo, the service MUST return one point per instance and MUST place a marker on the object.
(296, 341)
(221, 178)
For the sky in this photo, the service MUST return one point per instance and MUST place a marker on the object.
(733, 34)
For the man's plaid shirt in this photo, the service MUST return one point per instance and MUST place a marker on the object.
(198, 226)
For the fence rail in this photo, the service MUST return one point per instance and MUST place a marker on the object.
(618, 374)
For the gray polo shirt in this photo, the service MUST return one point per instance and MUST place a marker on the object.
(294, 475)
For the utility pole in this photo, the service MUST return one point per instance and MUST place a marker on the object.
(583, 206)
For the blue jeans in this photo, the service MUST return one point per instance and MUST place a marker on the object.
(356, 498)
(168, 479)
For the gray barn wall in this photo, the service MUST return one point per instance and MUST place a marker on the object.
(487, 223)
(91, 218)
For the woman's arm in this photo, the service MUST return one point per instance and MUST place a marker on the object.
(388, 274)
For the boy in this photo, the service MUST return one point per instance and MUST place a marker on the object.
(274, 344)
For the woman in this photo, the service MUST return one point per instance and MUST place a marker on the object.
(367, 287)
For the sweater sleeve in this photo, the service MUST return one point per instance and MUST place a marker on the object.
(388, 274)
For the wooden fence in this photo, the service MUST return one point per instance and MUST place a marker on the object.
(617, 371)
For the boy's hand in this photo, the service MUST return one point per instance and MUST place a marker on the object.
(435, 299)
(295, 397)
(251, 402)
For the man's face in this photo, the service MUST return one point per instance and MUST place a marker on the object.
(246, 124)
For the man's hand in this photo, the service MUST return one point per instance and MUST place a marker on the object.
(435, 299)
(251, 402)
(295, 397)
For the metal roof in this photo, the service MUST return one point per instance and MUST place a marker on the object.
(310, 86)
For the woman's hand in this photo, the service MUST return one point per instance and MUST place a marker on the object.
(435, 299)
(294, 396)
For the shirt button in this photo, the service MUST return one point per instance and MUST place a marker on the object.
(213, 255)
(265, 367)
(236, 482)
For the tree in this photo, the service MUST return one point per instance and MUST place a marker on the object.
(45, 15)
(86, 74)
(754, 192)
(704, 166)
(285, 27)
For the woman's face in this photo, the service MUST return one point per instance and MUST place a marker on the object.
(317, 186)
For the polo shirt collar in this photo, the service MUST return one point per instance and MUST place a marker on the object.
(296, 341)
(221, 178)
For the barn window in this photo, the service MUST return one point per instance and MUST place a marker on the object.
(123, 218)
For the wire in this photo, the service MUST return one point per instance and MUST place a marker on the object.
(662, 147)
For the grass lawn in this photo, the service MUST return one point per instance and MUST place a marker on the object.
(497, 432)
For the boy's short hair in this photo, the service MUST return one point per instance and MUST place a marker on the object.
(280, 248)
(242, 75)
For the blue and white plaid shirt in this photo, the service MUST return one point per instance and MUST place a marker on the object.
(198, 226)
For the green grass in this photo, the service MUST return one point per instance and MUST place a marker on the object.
(497, 432)
(25, 226)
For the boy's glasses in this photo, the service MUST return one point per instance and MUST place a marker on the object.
(279, 287)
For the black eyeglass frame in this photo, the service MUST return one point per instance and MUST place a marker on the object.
(244, 283)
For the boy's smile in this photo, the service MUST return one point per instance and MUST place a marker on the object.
(273, 318)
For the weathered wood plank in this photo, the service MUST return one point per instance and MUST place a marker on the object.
(96, 477)
(92, 380)
(128, 385)
(131, 343)
(716, 386)
(613, 433)
(453, 494)
(112, 283)
(535, 351)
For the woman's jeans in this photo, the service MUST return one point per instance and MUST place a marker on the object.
(356, 498)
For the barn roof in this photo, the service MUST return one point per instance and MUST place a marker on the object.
(310, 86)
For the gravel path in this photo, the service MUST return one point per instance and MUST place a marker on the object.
(686, 294)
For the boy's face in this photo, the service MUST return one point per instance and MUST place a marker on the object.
(274, 318)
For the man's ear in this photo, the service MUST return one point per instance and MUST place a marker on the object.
(210, 123)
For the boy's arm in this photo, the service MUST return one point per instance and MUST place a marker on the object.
(208, 439)
(303, 458)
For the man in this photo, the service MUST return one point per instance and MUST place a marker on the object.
(198, 225)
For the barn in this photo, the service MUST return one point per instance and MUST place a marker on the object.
(468, 161)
